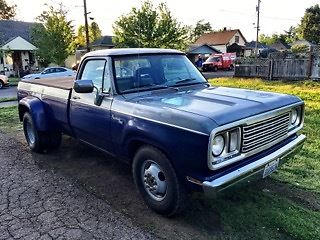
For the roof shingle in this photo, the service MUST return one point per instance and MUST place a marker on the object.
(10, 29)
(217, 38)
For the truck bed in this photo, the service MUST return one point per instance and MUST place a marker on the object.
(54, 93)
(62, 83)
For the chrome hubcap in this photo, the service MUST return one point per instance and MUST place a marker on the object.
(154, 180)
(30, 133)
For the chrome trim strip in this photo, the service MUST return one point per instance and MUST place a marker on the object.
(163, 123)
(251, 169)
(249, 121)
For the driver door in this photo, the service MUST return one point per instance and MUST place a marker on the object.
(91, 123)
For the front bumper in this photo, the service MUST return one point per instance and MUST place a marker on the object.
(254, 170)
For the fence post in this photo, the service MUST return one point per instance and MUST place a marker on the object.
(309, 69)
(270, 69)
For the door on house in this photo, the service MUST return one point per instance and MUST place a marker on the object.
(17, 63)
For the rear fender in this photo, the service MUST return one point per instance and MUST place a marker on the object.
(36, 108)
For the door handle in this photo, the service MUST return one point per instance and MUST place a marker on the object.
(119, 120)
(75, 97)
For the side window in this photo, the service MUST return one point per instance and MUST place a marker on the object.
(60, 70)
(237, 39)
(93, 70)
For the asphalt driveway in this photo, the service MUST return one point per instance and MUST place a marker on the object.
(36, 203)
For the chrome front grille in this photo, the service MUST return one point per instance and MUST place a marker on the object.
(265, 132)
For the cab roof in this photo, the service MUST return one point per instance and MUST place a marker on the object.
(131, 51)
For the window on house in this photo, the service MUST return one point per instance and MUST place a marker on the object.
(237, 39)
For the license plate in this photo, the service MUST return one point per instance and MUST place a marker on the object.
(270, 168)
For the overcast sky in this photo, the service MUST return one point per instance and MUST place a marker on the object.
(276, 15)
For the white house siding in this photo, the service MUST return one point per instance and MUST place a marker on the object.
(241, 40)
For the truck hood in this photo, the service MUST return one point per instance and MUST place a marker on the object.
(220, 104)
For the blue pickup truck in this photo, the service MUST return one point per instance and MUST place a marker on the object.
(153, 109)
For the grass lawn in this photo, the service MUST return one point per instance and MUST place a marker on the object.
(286, 206)
(9, 120)
(8, 99)
(14, 81)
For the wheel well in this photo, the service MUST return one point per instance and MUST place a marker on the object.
(134, 146)
(22, 110)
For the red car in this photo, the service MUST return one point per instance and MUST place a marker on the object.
(219, 61)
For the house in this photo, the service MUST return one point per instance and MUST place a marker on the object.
(263, 50)
(223, 40)
(16, 50)
(280, 46)
(204, 50)
(105, 42)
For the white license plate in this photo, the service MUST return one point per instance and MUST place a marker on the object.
(270, 168)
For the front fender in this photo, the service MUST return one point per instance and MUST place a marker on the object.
(36, 108)
(186, 150)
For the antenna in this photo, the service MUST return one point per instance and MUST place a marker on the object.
(258, 27)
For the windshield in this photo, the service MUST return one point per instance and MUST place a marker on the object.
(149, 72)
(213, 59)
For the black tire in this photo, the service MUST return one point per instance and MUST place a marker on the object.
(1, 84)
(231, 68)
(174, 199)
(39, 141)
(215, 69)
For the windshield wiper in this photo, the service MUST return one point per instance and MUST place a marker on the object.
(148, 87)
(185, 80)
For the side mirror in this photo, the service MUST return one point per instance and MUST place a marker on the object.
(83, 86)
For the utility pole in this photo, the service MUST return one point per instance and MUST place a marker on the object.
(258, 27)
(86, 24)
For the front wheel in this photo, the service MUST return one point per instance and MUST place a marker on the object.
(157, 182)
(1, 84)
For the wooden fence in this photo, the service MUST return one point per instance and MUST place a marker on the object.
(291, 68)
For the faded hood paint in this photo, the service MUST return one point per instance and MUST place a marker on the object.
(220, 104)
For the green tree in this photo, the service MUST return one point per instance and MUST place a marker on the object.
(309, 27)
(291, 35)
(53, 36)
(268, 40)
(201, 28)
(94, 34)
(288, 37)
(95, 31)
(7, 11)
(300, 48)
(150, 26)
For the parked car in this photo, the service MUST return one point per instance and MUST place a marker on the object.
(51, 72)
(153, 109)
(219, 61)
(4, 81)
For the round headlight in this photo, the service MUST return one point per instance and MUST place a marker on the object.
(218, 145)
(294, 116)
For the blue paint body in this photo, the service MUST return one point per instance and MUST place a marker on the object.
(178, 122)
